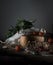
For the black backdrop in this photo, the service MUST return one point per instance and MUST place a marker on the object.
(10, 10)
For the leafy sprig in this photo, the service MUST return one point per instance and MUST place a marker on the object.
(21, 24)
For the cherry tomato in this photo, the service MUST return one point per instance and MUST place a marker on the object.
(41, 33)
(17, 48)
(50, 40)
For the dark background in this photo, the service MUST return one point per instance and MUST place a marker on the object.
(10, 10)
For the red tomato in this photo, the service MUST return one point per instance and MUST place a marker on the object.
(50, 40)
(34, 33)
(17, 48)
(41, 33)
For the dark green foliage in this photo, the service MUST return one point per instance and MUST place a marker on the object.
(21, 24)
